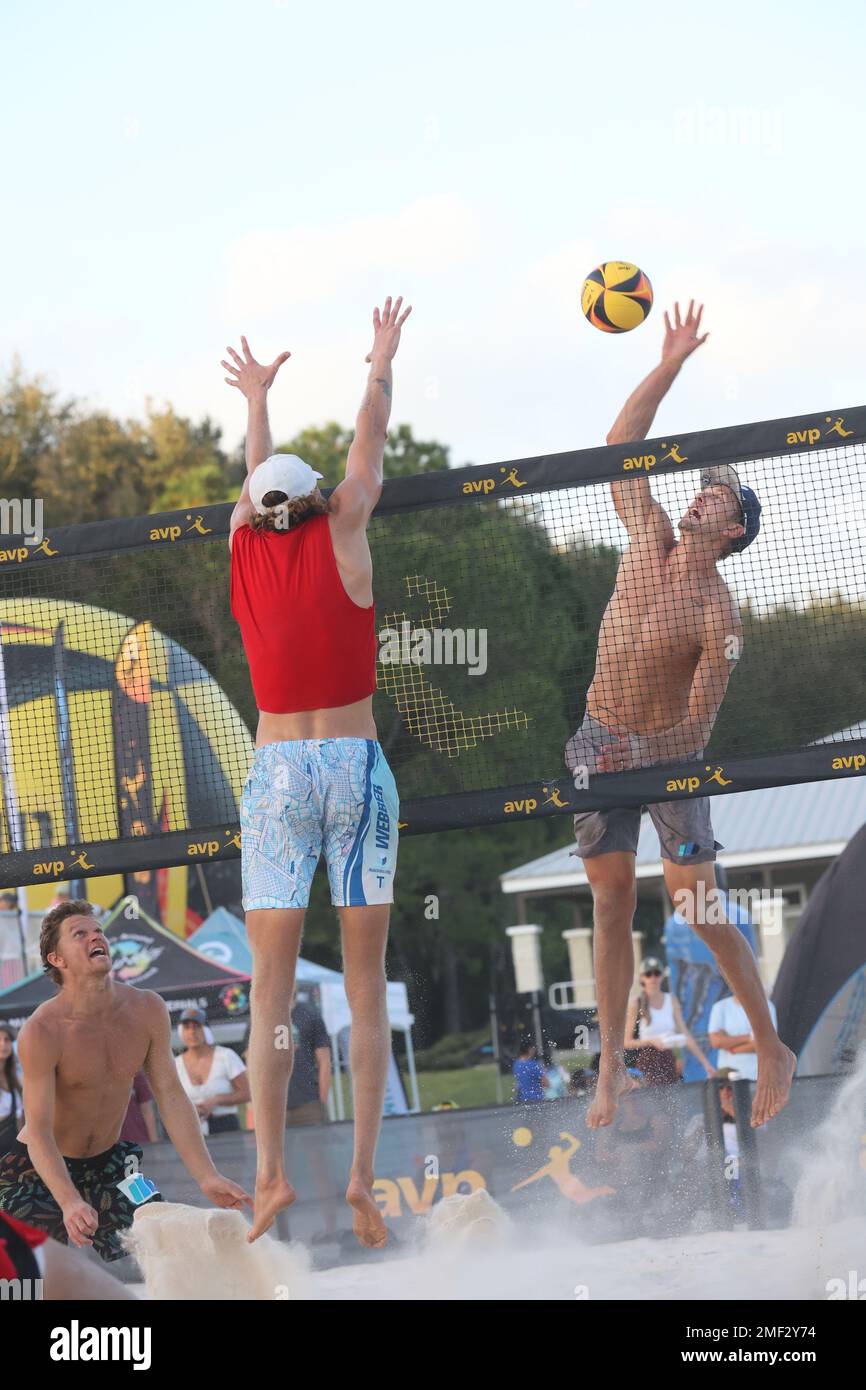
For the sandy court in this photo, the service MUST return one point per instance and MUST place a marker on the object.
(722, 1265)
(734, 1265)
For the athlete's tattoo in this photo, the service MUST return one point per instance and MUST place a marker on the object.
(368, 401)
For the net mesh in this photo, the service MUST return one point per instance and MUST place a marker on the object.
(125, 697)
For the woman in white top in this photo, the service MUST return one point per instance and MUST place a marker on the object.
(658, 1021)
(11, 1101)
(214, 1078)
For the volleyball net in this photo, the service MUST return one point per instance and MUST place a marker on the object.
(126, 707)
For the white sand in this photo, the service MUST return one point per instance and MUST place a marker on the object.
(735, 1265)
(739, 1265)
(468, 1249)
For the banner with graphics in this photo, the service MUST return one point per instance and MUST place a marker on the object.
(655, 1170)
(535, 658)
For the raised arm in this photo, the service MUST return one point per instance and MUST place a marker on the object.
(254, 379)
(635, 505)
(358, 493)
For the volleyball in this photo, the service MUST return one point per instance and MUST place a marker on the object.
(616, 296)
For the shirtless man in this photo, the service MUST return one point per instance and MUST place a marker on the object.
(80, 1052)
(666, 648)
(302, 593)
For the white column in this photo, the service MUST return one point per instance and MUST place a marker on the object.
(526, 956)
(579, 943)
(768, 917)
(637, 947)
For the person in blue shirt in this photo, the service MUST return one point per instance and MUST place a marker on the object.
(530, 1078)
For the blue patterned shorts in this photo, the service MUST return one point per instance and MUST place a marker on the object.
(306, 796)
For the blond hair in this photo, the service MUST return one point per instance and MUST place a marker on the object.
(287, 515)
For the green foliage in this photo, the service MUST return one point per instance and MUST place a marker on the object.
(86, 466)
(789, 654)
(451, 1050)
(326, 447)
(32, 422)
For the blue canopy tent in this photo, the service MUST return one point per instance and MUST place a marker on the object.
(696, 980)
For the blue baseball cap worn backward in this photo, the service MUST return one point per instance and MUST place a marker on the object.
(723, 475)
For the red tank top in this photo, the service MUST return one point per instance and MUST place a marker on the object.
(308, 645)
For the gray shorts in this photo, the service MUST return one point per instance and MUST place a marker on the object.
(684, 827)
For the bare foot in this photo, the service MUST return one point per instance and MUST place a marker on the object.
(368, 1223)
(775, 1072)
(270, 1198)
(613, 1084)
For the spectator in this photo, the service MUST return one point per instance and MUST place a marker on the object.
(311, 1070)
(730, 1033)
(694, 1149)
(729, 1119)
(656, 1020)
(557, 1082)
(634, 1154)
(214, 1077)
(582, 1082)
(8, 902)
(11, 1097)
(530, 1078)
(140, 1123)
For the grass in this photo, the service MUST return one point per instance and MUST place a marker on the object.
(466, 1086)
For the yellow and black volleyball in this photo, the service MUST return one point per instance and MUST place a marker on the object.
(616, 297)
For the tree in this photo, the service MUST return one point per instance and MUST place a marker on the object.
(325, 448)
(185, 462)
(32, 420)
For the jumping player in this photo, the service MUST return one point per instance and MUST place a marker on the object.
(666, 649)
(301, 591)
(68, 1174)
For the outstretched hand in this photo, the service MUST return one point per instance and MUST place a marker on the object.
(386, 329)
(681, 338)
(248, 375)
(225, 1193)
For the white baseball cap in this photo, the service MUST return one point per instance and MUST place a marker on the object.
(282, 473)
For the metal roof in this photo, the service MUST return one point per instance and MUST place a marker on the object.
(775, 825)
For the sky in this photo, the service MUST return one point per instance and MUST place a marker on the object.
(177, 174)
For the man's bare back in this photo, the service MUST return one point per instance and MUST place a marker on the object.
(97, 1056)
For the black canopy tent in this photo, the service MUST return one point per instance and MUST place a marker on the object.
(147, 955)
(820, 991)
